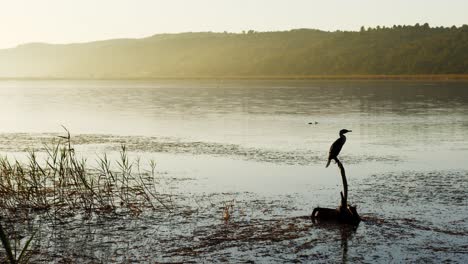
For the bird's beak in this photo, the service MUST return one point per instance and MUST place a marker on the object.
(350, 131)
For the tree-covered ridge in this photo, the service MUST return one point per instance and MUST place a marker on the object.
(417, 49)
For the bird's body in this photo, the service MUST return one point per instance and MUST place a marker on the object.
(337, 146)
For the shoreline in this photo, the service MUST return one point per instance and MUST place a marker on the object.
(422, 77)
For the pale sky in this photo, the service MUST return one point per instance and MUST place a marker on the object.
(65, 21)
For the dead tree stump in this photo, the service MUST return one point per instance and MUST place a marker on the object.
(345, 213)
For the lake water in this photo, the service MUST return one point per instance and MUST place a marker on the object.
(247, 141)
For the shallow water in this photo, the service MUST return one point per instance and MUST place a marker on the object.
(251, 142)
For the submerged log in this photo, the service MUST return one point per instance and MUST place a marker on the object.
(345, 213)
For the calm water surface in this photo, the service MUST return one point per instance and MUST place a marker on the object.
(406, 157)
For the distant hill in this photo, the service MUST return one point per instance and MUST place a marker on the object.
(417, 49)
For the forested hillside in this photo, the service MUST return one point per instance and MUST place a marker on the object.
(417, 49)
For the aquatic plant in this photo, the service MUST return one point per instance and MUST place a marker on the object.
(228, 207)
(11, 254)
(63, 184)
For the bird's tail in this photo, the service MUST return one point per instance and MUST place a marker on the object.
(328, 163)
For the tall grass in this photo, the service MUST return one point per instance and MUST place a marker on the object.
(63, 184)
(11, 253)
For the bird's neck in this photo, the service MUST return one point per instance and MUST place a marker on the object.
(342, 136)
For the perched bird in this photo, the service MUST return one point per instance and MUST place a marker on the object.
(336, 146)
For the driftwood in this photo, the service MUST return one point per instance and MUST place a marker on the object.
(345, 213)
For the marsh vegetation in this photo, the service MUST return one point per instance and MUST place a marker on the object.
(63, 184)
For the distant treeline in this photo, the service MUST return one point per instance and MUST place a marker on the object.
(399, 50)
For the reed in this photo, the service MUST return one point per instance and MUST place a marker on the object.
(13, 256)
(63, 184)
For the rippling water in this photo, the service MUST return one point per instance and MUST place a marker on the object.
(251, 141)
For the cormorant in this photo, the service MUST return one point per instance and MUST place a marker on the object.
(336, 146)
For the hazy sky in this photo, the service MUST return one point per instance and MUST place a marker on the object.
(64, 21)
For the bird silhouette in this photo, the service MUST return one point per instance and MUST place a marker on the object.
(337, 146)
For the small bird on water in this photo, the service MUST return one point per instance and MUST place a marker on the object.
(337, 146)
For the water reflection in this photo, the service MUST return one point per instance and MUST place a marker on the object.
(414, 115)
(345, 232)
